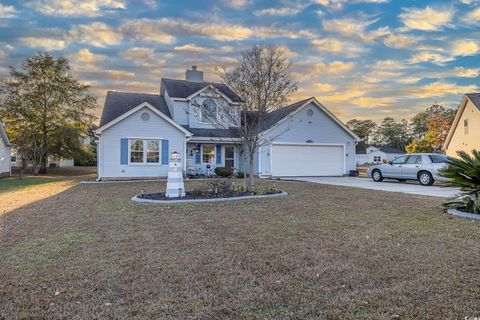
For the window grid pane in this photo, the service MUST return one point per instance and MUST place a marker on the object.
(136, 151)
(208, 154)
(153, 151)
(209, 110)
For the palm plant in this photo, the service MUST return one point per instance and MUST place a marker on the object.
(464, 172)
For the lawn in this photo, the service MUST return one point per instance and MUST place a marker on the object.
(14, 183)
(323, 252)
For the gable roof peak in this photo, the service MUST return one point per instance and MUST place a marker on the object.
(183, 89)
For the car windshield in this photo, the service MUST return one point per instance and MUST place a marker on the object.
(438, 158)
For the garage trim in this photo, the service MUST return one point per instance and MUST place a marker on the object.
(343, 145)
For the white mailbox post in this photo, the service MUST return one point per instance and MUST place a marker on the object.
(175, 185)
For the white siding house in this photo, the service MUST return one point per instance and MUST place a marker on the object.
(308, 142)
(156, 137)
(138, 132)
(5, 151)
(376, 155)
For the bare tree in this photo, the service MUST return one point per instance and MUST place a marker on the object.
(262, 79)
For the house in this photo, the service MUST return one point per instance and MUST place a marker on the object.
(375, 154)
(137, 132)
(5, 146)
(464, 135)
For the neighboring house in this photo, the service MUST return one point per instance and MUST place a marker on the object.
(464, 135)
(5, 146)
(138, 132)
(52, 161)
(375, 154)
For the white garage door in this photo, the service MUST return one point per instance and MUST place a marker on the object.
(307, 160)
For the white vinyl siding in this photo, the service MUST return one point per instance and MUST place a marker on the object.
(318, 128)
(4, 158)
(133, 127)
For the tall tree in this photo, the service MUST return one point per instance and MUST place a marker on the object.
(262, 79)
(365, 129)
(394, 134)
(44, 96)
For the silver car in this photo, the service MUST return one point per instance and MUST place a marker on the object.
(423, 167)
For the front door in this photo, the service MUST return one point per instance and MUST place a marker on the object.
(230, 157)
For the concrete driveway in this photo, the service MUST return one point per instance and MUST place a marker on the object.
(386, 185)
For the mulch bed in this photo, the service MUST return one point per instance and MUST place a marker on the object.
(190, 195)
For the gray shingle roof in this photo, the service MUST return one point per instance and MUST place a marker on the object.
(475, 98)
(272, 118)
(184, 89)
(118, 103)
(213, 133)
(383, 149)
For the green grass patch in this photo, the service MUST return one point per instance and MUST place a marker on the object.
(14, 183)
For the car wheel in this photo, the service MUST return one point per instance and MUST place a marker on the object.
(425, 178)
(377, 175)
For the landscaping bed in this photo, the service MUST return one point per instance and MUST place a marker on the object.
(192, 195)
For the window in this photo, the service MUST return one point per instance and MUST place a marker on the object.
(136, 151)
(465, 126)
(209, 110)
(400, 160)
(230, 157)
(438, 158)
(377, 158)
(414, 160)
(153, 151)
(144, 151)
(208, 154)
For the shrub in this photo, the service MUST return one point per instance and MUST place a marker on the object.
(267, 190)
(219, 186)
(464, 172)
(241, 175)
(223, 172)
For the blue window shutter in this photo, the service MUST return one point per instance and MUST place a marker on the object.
(165, 151)
(197, 154)
(219, 154)
(123, 151)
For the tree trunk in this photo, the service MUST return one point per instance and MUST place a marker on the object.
(36, 169)
(43, 165)
(244, 155)
(251, 178)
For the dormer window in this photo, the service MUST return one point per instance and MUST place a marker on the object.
(209, 111)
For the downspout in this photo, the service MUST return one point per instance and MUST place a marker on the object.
(355, 154)
(99, 169)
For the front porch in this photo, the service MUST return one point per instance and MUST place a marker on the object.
(203, 157)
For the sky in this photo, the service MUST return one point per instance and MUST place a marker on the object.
(364, 59)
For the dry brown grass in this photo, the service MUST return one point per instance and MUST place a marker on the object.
(323, 252)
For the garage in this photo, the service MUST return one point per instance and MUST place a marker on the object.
(297, 160)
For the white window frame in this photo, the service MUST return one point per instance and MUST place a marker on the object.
(206, 121)
(145, 142)
(214, 153)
